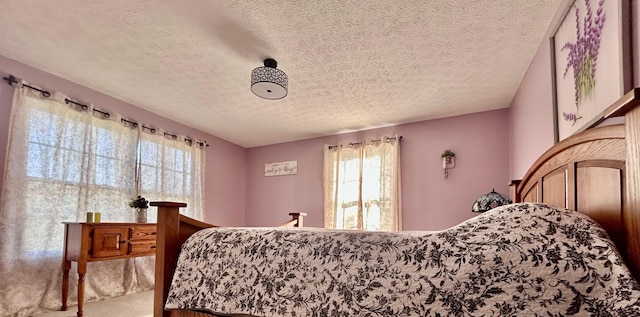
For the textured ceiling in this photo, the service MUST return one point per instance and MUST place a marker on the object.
(352, 65)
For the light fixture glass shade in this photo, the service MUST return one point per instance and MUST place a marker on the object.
(489, 201)
(268, 82)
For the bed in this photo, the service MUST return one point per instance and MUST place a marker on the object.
(595, 172)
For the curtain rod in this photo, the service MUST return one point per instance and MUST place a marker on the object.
(12, 80)
(358, 143)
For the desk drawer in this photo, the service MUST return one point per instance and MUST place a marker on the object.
(143, 233)
(137, 248)
(109, 242)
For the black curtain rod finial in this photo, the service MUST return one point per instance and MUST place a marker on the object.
(10, 80)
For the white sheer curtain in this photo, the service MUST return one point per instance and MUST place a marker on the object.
(172, 169)
(62, 162)
(362, 185)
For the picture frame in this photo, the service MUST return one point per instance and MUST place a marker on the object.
(590, 61)
(281, 168)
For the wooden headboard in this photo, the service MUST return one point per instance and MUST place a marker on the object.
(596, 172)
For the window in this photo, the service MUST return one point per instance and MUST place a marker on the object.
(171, 171)
(75, 163)
(362, 186)
(65, 162)
(353, 212)
(54, 153)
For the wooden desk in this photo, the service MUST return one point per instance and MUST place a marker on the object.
(88, 242)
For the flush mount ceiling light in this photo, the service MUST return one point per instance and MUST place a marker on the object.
(268, 82)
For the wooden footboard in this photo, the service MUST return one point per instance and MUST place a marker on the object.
(173, 230)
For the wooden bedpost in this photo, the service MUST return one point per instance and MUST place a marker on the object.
(513, 190)
(173, 230)
(632, 204)
(298, 218)
(166, 251)
(629, 107)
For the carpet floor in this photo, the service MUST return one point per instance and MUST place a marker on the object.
(133, 305)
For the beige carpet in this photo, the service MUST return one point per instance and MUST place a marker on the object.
(134, 305)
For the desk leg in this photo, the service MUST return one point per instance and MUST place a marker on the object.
(82, 270)
(66, 266)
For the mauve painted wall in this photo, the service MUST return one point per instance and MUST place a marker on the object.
(225, 164)
(430, 202)
(531, 115)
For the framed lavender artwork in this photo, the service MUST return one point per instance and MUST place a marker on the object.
(591, 60)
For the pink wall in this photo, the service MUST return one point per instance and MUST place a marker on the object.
(430, 202)
(238, 194)
(531, 115)
(225, 164)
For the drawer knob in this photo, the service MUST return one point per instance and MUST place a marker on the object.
(154, 232)
(153, 246)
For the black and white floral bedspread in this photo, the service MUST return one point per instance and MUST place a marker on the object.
(516, 260)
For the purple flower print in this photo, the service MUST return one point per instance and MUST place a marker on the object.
(583, 54)
(571, 117)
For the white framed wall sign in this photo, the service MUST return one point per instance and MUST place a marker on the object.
(281, 168)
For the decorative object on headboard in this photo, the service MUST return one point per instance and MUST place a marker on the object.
(268, 82)
(448, 161)
(489, 201)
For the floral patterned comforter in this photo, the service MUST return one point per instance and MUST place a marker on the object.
(515, 260)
